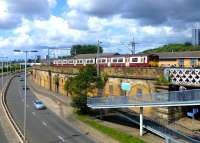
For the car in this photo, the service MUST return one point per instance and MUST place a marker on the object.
(39, 105)
(27, 88)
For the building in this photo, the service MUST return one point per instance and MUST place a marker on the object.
(196, 37)
(179, 59)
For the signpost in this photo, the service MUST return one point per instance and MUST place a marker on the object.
(126, 87)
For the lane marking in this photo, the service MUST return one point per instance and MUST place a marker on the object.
(61, 138)
(33, 113)
(44, 123)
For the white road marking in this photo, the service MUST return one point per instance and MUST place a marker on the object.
(61, 138)
(33, 113)
(44, 123)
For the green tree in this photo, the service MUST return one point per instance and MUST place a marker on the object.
(84, 49)
(79, 86)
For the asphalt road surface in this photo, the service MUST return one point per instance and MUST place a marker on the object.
(43, 126)
(2, 134)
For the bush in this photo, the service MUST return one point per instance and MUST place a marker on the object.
(163, 81)
(80, 103)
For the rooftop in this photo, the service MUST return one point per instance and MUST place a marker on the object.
(173, 55)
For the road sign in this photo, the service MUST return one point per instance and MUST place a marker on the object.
(125, 86)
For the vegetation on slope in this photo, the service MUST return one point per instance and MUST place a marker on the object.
(113, 133)
(174, 48)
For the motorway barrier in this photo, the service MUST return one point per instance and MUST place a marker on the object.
(7, 111)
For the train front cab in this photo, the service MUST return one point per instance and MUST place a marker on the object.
(153, 60)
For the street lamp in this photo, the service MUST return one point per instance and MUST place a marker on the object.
(2, 64)
(98, 50)
(25, 86)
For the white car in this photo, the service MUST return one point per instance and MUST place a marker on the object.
(39, 105)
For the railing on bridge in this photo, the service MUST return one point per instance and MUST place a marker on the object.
(174, 98)
(183, 76)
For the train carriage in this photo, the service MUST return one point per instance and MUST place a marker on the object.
(136, 60)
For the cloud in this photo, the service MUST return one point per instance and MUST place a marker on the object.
(148, 12)
(12, 12)
(30, 8)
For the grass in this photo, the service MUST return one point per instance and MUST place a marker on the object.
(113, 133)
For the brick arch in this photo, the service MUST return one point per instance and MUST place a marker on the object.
(148, 111)
(140, 86)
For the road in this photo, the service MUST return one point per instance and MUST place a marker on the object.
(43, 126)
(2, 134)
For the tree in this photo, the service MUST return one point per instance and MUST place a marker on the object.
(82, 84)
(85, 49)
(56, 81)
(188, 44)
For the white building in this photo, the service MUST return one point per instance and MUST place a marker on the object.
(196, 37)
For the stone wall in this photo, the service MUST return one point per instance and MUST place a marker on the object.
(144, 84)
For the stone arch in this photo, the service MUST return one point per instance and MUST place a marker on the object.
(146, 90)
(143, 87)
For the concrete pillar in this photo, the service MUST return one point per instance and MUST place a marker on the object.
(141, 121)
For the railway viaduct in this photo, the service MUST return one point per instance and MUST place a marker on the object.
(143, 81)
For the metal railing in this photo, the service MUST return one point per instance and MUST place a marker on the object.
(174, 98)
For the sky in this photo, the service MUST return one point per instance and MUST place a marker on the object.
(28, 24)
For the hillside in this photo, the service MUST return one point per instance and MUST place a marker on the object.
(174, 48)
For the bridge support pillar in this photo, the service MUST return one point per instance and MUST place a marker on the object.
(141, 121)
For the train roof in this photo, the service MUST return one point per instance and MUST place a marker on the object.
(88, 56)
(101, 55)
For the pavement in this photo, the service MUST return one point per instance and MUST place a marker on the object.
(43, 126)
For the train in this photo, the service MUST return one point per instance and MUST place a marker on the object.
(110, 60)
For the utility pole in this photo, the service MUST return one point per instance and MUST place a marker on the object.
(133, 46)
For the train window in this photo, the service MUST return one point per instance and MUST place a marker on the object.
(70, 62)
(80, 61)
(120, 60)
(114, 60)
(103, 60)
(91, 61)
(142, 59)
(134, 60)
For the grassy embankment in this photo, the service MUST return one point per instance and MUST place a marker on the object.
(113, 133)
(173, 48)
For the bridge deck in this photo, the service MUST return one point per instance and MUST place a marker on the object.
(175, 98)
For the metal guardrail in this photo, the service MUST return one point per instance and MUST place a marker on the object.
(174, 98)
(170, 135)
(7, 111)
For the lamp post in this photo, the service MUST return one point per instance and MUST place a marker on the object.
(25, 86)
(98, 50)
(2, 65)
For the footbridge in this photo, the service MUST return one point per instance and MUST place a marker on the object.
(167, 99)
